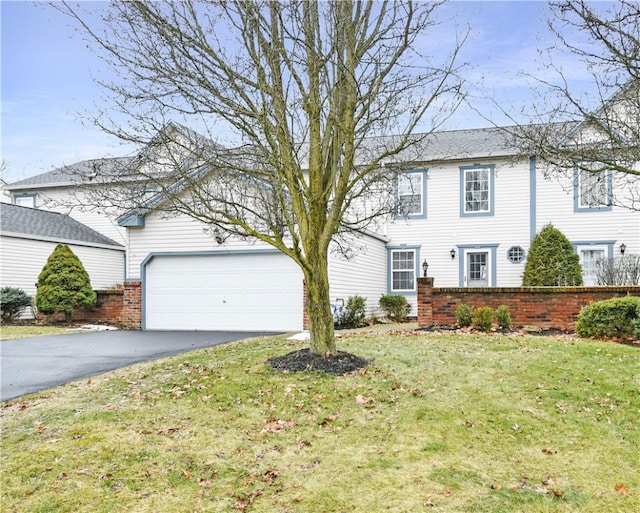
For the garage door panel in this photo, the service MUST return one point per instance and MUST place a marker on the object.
(223, 292)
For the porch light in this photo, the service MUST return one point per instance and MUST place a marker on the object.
(218, 236)
(452, 253)
(623, 248)
(425, 266)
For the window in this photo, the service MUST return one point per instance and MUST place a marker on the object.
(25, 200)
(515, 254)
(403, 270)
(476, 190)
(410, 194)
(593, 190)
(589, 258)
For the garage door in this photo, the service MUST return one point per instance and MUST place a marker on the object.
(245, 292)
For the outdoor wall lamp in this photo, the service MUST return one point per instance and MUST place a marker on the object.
(452, 253)
(623, 248)
(425, 266)
(218, 236)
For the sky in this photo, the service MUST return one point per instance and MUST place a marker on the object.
(47, 71)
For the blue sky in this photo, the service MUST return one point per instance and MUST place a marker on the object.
(47, 78)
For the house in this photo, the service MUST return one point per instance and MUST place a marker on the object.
(5, 197)
(471, 208)
(29, 235)
(66, 190)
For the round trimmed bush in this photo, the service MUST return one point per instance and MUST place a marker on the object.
(612, 318)
(395, 307)
(12, 302)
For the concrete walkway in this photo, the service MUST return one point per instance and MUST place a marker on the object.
(32, 364)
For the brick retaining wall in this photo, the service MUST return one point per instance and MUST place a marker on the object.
(544, 307)
(120, 307)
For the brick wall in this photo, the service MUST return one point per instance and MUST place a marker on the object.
(132, 305)
(544, 307)
(116, 307)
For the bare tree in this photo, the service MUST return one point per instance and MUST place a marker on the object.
(595, 135)
(315, 99)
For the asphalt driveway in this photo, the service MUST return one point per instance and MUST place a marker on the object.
(32, 364)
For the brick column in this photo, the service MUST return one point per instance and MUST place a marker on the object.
(425, 302)
(132, 305)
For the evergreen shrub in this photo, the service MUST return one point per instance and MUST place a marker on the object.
(396, 308)
(503, 316)
(12, 302)
(464, 315)
(612, 318)
(482, 318)
(63, 284)
(353, 313)
(551, 261)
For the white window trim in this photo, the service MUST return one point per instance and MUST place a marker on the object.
(416, 259)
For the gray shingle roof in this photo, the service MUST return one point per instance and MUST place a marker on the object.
(71, 174)
(465, 144)
(48, 225)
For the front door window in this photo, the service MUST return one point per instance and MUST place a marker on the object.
(477, 269)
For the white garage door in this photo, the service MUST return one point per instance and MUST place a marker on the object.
(240, 292)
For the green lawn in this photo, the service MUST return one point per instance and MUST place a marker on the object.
(442, 423)
(9, 331)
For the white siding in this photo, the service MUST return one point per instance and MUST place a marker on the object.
(556, 206)
(22, 260)
(445, 229)
(175, 234)
(74, 203)
(519, 213)
(364, 274)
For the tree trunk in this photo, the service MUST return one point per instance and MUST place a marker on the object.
(319, 307)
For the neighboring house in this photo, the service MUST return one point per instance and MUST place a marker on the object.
(472, 208)
(28, 236)
(5, 197)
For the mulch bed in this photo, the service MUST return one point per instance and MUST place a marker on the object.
(304, 360)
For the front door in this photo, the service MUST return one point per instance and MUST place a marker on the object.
(477, 269)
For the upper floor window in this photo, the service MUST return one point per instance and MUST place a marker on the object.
(410, 194)
(476, 190)
(24, 200)
(592, 190)
(403, 270)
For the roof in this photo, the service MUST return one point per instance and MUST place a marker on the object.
(436, 146)
(462, 144)
(70, 175)
(39, 224)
